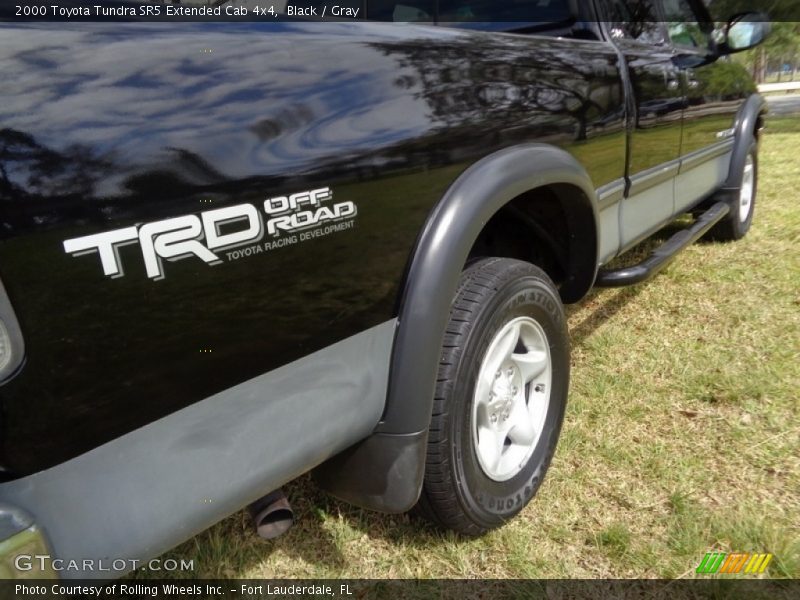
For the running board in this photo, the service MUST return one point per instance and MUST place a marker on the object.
(662, 255)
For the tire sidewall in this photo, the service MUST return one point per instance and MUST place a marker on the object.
(493, 502)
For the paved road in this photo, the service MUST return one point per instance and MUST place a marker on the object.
(784, 105)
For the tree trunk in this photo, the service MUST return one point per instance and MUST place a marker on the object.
(758, 66)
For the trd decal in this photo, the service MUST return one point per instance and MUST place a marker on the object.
(285, 220)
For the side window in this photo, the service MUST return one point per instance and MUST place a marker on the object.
(635, 20)
(683, 26)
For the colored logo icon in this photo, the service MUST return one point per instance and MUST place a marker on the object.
(736, 562)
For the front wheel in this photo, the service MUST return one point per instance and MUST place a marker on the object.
(500, 396)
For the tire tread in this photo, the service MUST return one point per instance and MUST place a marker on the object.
(482, 279)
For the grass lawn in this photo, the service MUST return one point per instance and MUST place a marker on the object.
(682, 434)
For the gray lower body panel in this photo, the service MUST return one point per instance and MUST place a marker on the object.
(153, 488)
(700, 177)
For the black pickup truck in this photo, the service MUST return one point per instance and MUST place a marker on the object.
(234, 252)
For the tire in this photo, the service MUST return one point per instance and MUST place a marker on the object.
(475, 478)
(736, 225)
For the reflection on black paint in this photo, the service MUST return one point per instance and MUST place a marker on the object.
(137, 124)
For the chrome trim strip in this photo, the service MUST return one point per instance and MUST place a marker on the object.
(695, 159)
(645, 180)
(610, 194)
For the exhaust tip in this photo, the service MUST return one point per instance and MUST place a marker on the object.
(272, 515)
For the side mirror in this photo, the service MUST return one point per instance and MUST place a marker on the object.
(745, 31)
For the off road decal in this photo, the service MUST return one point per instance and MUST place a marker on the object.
(285, 220)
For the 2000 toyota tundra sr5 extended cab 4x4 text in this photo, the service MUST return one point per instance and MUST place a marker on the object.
(235, 252)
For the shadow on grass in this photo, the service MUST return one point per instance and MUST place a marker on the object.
(352, 524)
(601, 311)
(605, 308)
(324, 527)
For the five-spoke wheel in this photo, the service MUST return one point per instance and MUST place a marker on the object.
(511, 398)
(500, 396)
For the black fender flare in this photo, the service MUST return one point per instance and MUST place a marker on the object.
(439, 257)
(385, 471)
(744, 131)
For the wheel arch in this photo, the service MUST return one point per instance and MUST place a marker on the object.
(749, 122)
(445, 244)
(385, 471)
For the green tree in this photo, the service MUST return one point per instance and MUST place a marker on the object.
(781, 48)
